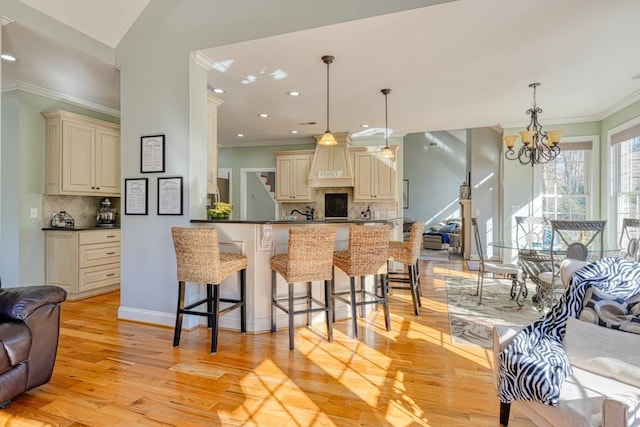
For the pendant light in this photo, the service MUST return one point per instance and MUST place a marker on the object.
(327, 137)
(386, 153)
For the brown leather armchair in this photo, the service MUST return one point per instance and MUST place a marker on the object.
(29, 329)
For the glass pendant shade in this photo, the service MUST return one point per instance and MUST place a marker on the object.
(387, 153)
(327, 139)
(510, 140)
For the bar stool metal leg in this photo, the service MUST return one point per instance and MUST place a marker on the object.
(290, 313)
(214, 318)
(328, 305)
(384, 284)
(354, 306)
(179, 315)
(273, 300)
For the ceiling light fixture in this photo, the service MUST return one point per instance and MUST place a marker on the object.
(218, 90)
(8, 57)
(327, 137)
(538, 147)
(386, 153)
(263, 115)
(293, 93)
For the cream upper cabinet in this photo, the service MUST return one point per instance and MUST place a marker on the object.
(375, 177)
(82, 155)
(292, 171)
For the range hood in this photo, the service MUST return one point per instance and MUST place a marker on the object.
(331, 164)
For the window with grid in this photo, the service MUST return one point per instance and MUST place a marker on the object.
(565, 183)
(625, 170)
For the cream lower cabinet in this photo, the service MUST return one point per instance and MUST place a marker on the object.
(84, 263)
(375, 178)
(82, 155)
(292, 172)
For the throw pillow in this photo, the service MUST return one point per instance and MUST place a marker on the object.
(611, 312)
(447, 228)
(601, 308)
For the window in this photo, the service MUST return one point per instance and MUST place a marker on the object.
(625, 168)
(565, 183)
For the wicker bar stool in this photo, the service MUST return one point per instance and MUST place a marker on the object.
(407, 253)
(309, 259)
(367, 255)
(200, 261)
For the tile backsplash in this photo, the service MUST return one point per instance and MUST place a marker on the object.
(83, 209)
(355, 208)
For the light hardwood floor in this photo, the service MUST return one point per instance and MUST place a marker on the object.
(115, 373)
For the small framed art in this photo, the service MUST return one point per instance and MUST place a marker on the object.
(136, 196)
(170, 195)
(152, 153)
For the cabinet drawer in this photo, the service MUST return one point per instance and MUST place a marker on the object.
(97, 277)
(99, 254)
(99, 236)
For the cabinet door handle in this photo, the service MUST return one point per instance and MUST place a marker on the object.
(111, 236)
(111, 274)
(110, 253)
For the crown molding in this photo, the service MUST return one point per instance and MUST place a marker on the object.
(58, 96)
(202, 60)
(634, 97)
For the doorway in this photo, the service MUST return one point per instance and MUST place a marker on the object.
(257, 192)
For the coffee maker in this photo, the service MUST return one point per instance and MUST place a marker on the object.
(106, 215)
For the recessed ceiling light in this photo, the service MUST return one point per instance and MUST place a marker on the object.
(364, 126)
(263, 115)
(293, 131)
(293, 93)
(218, 90)
(240, 135)
(8, 57)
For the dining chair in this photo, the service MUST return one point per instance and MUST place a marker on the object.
(200, 261)
(510, 271)
(309, 259)
(530, 231)
(578, 240)
(629, 238)
(366, 256)
(408, 253)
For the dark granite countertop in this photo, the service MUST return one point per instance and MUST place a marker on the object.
(117, 227)
(298, 222)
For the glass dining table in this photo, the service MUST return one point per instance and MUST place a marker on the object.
(534, 259)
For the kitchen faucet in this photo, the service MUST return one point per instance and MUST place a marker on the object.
(308, 213)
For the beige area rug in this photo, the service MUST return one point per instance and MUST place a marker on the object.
(472, 324)
(434, 255)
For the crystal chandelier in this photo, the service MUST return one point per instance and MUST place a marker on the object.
(538, 146)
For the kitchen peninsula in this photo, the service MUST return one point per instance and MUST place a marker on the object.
(259, 241)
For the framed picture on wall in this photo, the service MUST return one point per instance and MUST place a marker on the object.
(152, 153)
(136, 196)
(405, 194)
(170, 195)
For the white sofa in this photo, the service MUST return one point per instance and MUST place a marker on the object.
(604, 389)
